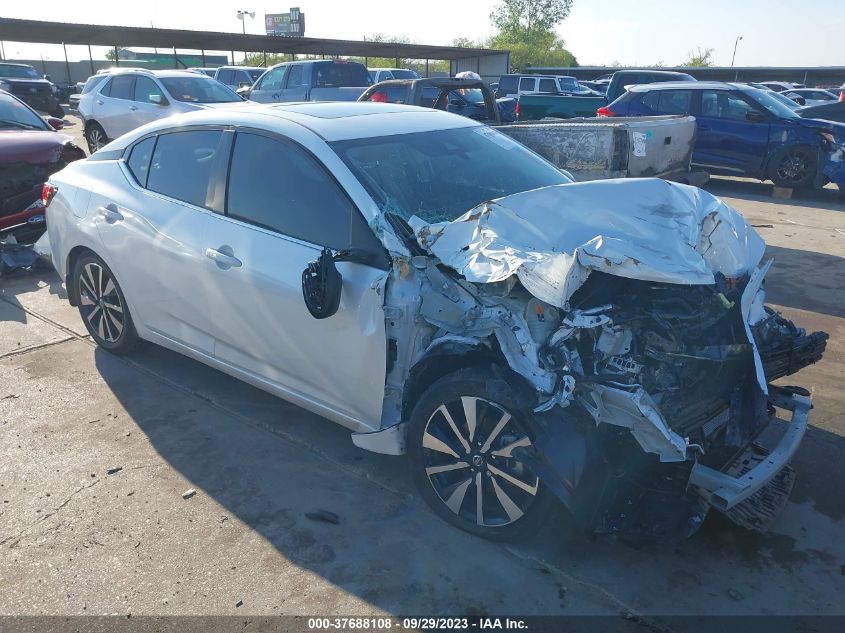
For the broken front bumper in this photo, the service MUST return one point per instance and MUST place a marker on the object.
(725, 490)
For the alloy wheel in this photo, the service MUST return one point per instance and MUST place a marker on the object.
(794, 166)
(467, 454)
(96, 138)
(100, 302)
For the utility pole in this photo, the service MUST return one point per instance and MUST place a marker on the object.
(242, 17)
(736, 42)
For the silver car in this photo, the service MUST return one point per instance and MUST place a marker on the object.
(127, 99)
(442, 291)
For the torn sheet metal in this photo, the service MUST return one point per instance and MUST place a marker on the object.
(552, 238)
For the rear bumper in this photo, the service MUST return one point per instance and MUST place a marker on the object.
(725, 490)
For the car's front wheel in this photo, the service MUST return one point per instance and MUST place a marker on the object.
(95, 136)
(102, 306)
(460, 442)
(793, 167)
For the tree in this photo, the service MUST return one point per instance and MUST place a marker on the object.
(699, 57)
(110, 55)
(527, 29)
(524, 17)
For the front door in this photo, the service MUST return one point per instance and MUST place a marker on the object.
(269, 87)
(727, 139)
(282, 208)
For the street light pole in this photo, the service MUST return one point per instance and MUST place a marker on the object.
(736, 42)
(242, 17)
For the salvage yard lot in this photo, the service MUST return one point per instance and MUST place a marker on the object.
(75, 539)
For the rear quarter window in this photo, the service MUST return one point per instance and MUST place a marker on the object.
(139, 160)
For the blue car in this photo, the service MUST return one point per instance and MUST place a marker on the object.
(743, 131)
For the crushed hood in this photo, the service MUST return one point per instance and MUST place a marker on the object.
(552, 238)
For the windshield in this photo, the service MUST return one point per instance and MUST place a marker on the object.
(773, 105)
(255, 74)
(405, 74)
(340, 75)
(198, 90)
(18, 72)
(15, 116)
(440, 175)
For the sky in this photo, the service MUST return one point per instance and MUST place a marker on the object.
(598, 32)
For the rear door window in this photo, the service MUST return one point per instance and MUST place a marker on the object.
(548, 85)
(674, 101)
(183, 163)
(650, 102)
(279, 186)
(226, 77)
(139, 160)
(526, 84)
(122, 87)
(295, 76)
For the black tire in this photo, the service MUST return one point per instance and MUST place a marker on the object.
(794, 166)
(58, 112)
(102, 306)
(509, 509)
(96, 137)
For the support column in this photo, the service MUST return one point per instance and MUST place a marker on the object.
(116, 56)
(91, 59)
(175, 59)
(203, 57)
(67, 65)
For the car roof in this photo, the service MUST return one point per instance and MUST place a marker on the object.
(644, 71)
(178, 73)
(332, 121)
(4, 63)
(687, 85)
(239, 68)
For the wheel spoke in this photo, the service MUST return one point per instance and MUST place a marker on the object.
(90, 284)
(431, 442)
(479, 500)
(100, 281)
(113, 306)
(100, 325)
(109, 289)
(92, 314)
(115, 324)
(505, 451)
(510, 508)
(445, 413)
(470, 406)
(456, 499)
(532, 490)
(495, 432)
(85, 298)
(433, 470)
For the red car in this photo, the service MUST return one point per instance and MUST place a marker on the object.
(30, 150)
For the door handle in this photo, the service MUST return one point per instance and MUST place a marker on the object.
(133, 108)
(99, 102)
(110, 213)
(224, 260)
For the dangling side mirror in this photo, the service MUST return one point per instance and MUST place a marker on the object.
(321, 286)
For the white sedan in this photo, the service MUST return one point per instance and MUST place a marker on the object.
(812, 96)
(444, 292)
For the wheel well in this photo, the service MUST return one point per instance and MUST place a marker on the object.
(451, 357)
(75, 253)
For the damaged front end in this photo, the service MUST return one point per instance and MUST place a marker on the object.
(633, 311)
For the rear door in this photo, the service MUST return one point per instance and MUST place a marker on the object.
(547, 86)
(154, 232)
(112, 105)
(282, 208)
(727, 139)
(269, 87)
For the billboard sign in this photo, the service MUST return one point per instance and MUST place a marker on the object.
(291, 24)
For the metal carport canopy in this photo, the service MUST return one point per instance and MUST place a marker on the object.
(40, 32)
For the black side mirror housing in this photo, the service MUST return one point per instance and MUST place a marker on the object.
(321, 286)
(754, 117)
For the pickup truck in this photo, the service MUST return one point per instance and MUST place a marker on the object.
(541, 106)
(321, 80)
(589, 149)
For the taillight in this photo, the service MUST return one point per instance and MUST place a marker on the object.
(604, 111)
(517, 109)
(379, 97)
(48, 191)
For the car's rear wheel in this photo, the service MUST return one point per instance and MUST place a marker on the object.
(102, 306)
(793, 167)
(96, 137)
(460, 440)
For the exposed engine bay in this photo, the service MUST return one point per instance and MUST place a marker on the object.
(646, 349)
